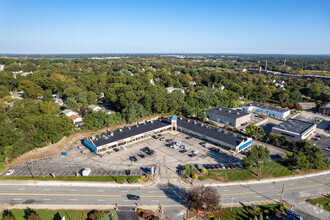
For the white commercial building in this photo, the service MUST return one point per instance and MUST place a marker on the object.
(295, 130)
(266, 110)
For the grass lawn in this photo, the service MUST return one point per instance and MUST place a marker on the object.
(324, 201)
(52, 214)
(66, 178)
(241, 213)
(273, 169)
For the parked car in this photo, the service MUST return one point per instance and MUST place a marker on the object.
(134, 159)
(183, 151)
(199, 167)
(115, 149)
(162, 139)
(327, 148)
(218, 166)
(141, 155)
(80, 147)
(123, 147)
(239, 165)
(109, 152)
(9, 172)
(194, 151)
(213, 166)
(207, 166)
(133, 197)
(86, 171)
(189, 137)
(222, 166)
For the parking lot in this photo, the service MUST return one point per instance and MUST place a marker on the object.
(323, 142)
(120, 162)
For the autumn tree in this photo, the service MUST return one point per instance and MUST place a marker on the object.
(204, 198)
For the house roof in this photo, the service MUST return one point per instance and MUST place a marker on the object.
(66, 111)
(325, 105)
(74, 117)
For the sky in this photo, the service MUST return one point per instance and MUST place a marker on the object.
(155, 26)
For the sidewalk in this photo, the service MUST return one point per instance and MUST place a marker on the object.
(115, 185)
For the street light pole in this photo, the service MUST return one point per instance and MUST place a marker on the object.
(231, 206)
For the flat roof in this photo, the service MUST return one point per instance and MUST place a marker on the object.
(231, 113)
(325, 105)
(126, 132)
(268, 107)
(219, 134)
(212, 132)
(294, 125)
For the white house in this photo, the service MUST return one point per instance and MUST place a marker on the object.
(77, 120)
(95, 108)
(69, 112)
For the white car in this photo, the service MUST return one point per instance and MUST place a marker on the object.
(162, 139)
(328, 148)
(194, 151)
(9, 172)
(86, 172)
(206, 146)
(123, 148)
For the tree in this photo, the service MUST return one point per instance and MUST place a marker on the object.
(257, 157)
(300, 160)
(205, 198)
(31, 90)
(71, 103)
(8, 215)
(251, 130)
(91, 98)
(30, 214)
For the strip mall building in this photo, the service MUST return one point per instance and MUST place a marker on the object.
(110, 139)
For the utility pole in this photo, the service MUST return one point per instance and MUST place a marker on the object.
(282, 192)
(231, 206)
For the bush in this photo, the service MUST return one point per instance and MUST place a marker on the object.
(210, 216)
(100, 215)
(203, 170)
(194, 176)
(142, 177)
(121, 179)
(132, 179)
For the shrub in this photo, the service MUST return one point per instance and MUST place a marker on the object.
(132, 179)
(100, 215)
(194, 176)
(203, 170)
(210, 216)
(121, 179)
(139, 181)
(142, 177)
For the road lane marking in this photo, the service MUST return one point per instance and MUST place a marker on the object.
(125, 191)
(46, 199)
(302, 187)
(46, 189)
(310, 181)
(21, 189)
(247, 193)
(258, 196)
(73, 190)
(101, 200)
(73, 199)
(290, 184)
(271, 186)
(17, 199)
(154, 200)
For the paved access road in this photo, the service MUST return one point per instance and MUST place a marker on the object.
(166, 194)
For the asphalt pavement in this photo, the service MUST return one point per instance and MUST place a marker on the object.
(167, 194)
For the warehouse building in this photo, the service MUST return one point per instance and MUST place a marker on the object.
(266, 110)
(325, 108)
(295, 130)
(228, 116)
(110, 139)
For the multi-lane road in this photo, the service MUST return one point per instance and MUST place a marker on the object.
(166, 194)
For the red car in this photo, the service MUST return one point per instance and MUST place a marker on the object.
(231, 166)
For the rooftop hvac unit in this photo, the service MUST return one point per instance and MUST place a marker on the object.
(202, 125)
(180, 118)
(129, 128)
(137, 126)
(188, 120)
(195, 122)
(234, 135)
(237, 113)
(111, 133)
(229, 111)
(220, 109)
(225, 132)
(120, 130)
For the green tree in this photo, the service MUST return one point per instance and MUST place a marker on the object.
(300, 160)
(71, 103)
(31, 90)
(91, 98)
(257, 157)
(8, 215)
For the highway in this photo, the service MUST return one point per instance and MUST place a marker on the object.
(166, 194)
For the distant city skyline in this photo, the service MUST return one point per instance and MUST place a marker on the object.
(173, 27)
